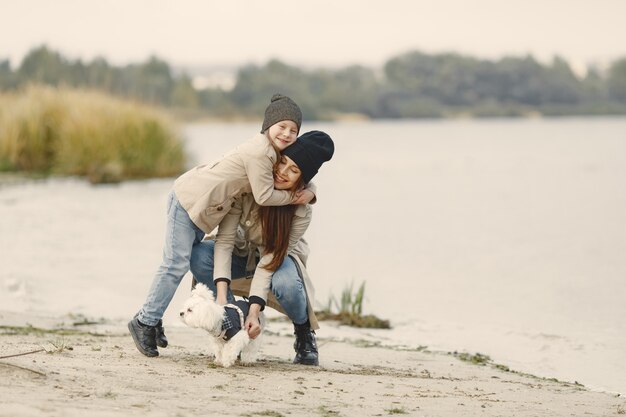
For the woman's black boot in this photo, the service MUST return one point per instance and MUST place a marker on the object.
(305, 345)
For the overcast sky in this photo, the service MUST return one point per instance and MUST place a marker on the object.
(314, 33)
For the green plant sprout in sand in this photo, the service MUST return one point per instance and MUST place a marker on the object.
(350, 310)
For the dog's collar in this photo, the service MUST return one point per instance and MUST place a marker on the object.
(220, 332)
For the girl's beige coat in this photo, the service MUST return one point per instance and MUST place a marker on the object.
(207, 192)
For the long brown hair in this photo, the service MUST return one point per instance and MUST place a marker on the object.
(276, 224)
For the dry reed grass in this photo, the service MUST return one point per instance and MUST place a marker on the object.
(65, 131)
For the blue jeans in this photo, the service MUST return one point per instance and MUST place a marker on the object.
(287, 285)
(180, 237)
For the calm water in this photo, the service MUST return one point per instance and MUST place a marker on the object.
(503, 237)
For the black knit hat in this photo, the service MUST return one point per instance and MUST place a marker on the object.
(309, 152)
(281, 108)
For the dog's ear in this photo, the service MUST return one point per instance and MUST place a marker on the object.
(202, 291)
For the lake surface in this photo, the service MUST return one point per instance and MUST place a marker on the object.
(505, 237)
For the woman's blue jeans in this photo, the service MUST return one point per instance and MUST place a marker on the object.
(180, 237)
(286, 284)
(184, 248)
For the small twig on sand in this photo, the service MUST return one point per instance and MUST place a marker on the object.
(22, 354)
(25, 369)
(21, 367)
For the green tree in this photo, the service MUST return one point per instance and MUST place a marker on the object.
(617, 80)
(594, 86)
(99, 74)
(352, 89)
(8, 79)
(560, 85)
(44, 66)
(255, 85)
(155, 81)
(183, 93)
(512, 80)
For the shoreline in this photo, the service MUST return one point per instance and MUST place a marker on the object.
(475, 358)
(96, 366)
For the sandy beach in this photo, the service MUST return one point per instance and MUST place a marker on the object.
(93, 369)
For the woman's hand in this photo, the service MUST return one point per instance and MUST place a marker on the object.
(303, 197)
(252, 324)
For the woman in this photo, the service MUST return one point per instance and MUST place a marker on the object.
(268, 241)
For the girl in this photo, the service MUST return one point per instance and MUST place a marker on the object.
(203, 196)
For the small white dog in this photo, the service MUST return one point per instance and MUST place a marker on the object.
(224, 323)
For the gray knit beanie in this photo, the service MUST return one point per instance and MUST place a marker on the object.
(281, 108)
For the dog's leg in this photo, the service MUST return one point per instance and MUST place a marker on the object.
(213, 345)
(219, 351)
(233, 347)
(250, 353)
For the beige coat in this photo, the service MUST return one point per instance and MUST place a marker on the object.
(207, 192)
(240, 233)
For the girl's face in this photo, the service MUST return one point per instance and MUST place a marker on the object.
(287, 174)
(283, 133)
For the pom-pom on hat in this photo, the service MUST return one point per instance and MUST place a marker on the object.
(310, 151)
(281, 108)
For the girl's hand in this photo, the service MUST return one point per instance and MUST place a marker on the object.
(303, 197)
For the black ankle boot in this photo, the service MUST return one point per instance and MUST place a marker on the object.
(161, 339)
(144, 337)
(305, 345)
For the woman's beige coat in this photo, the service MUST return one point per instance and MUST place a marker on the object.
(240, 233)
(207, 192)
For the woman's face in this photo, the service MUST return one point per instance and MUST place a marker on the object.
(286, 174)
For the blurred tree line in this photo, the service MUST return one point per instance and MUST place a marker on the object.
(409, 86)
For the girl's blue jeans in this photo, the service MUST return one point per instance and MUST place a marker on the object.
(181, 235)
(184, 249)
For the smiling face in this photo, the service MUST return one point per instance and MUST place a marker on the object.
(287, 174)
(283, 133)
